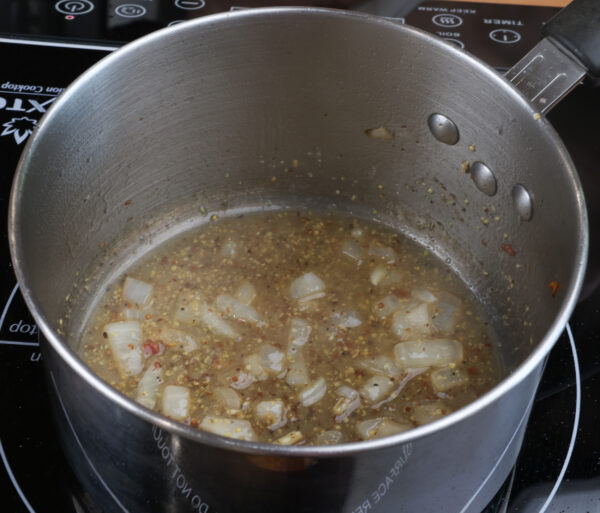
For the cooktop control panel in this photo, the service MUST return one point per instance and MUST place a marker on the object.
(498, 34)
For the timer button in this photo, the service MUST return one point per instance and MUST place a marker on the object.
(74, 6)
(505, 36)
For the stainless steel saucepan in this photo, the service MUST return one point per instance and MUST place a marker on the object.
(207, 117)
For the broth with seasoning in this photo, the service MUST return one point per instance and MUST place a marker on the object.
(293, 327)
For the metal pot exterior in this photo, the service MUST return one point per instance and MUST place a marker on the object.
(271, 108)
(129, 464)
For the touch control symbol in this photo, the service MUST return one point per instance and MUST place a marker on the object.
(447, 20)
(74, 6)
(130, 10)
(190, 5)
(455, 42)
(505, 36)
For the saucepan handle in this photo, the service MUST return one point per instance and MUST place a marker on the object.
(577, 29)
(559, 62)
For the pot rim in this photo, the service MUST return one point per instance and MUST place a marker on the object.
(58, 343)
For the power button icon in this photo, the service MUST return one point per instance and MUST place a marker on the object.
(74, 6)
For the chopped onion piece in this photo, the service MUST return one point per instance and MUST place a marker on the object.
(346, 319)
(231, 428)
(136, 314)
(246, 293)
(377, 275)
(125, 340)
(387, 305)
(299, 332)
(410, 374)
(191, 308)
(384, 276)
(179, 339)
(447, 378)
(383, 365)
(424, 295)
(176, 402)
(352, 249)
(380, 427)
(357, 233)
(380, 132)
(228, 398)
(445, 312)
(213, 321)
(297, 373)
(428, 353)
(313, 393)
(292, 438)
(425, 413)
(272, 413)
(348, 402)
(239, 379)
(309, 286)
(228, 249)
(417, 317)
(330, 437)
(413, 320)
(147, 388)
(384, 253)
(272, 359)
(240, 311)
(136, 291)
(376, 388)
(253, 364)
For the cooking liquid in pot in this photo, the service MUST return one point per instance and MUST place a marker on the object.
(293, 327)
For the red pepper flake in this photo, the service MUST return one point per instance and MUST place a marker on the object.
(128, 202)
(157, 365)
(507, 248)
(150, 347)
(553, 287)
(194, 423)
(234, 378)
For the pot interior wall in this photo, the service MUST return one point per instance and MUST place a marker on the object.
(258, 110)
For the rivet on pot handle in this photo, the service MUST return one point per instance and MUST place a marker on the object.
(561, 60)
